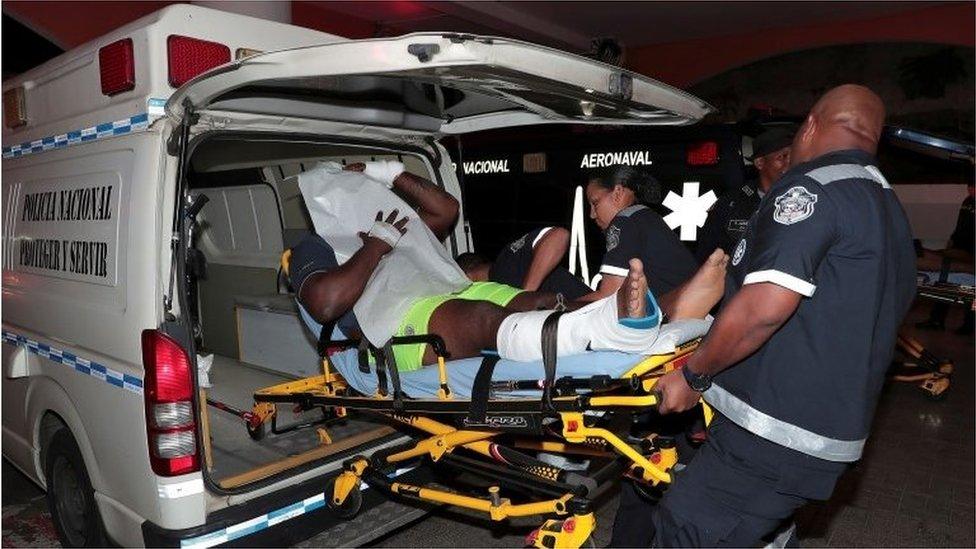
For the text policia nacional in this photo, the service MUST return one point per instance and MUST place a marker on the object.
(84, 257)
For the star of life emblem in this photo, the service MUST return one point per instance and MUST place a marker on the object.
(517, 245)
(794, 206)
(613, 237)
(739, 252)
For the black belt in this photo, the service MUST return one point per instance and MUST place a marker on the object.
(550, 330)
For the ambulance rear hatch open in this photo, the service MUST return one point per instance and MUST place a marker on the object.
(397, 95)
(435, 84)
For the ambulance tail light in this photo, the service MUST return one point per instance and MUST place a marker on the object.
(189, 57)
(704, 153)
(117, 67)
(170, 420)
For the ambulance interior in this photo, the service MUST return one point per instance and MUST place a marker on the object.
(245, 312)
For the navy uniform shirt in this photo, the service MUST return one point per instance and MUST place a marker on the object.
(638, 232)
(513, 262)
(314, 255)
(727, 220)
(832, 230)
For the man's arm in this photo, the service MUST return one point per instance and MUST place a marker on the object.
(751, 317)
(608, 285)
(546, 255)
(329, 295)
(435, 206)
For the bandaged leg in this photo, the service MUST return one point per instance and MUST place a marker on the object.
(594, 327)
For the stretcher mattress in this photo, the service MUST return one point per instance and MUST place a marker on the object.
(424, 383)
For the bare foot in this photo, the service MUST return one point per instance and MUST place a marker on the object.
(632, 295)
(697, 296)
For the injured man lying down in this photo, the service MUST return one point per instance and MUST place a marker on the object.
(376, 268)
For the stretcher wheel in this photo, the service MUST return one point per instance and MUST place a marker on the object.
(256, 433)
(347, 509)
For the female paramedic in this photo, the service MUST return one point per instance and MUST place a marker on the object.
(618, 204)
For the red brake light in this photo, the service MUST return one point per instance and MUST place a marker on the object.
(189, 57)
(117, 67)
(704, 153)
(170, 419)
(167, 368)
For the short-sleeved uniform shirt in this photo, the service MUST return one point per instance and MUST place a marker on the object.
(314, 255)
(638, 232)
(833, 231)
(515, 259)
(727, 220)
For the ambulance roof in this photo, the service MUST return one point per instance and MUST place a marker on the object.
(64, 95)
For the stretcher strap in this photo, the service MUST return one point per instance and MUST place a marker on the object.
(325, 338)
(390, 360)
(550, 329)
(481, 390)
(380, 359)
(362, 354)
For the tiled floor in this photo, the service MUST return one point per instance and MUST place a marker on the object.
(914, 487)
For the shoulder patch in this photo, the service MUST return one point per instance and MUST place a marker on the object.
(793, 206)
(740, 251)
(613, 237)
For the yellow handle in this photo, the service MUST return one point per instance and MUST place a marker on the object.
(707, 412)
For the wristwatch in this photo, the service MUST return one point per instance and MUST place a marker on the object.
(697, 382)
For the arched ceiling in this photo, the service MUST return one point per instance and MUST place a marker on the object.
(678, 42)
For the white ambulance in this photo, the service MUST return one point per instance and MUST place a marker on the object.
(147, 197)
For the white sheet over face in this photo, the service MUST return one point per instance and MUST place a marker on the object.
(344, 203)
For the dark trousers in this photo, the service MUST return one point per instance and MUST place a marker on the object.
(631, 525)
(737, 490)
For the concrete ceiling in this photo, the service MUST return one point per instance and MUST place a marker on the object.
(691, 36)
(635, 24)
(569, 25)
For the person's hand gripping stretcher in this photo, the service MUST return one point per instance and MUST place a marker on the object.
(475, 316)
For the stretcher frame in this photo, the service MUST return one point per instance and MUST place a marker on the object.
(562, 422)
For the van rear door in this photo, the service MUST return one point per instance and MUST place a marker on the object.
(436, 83)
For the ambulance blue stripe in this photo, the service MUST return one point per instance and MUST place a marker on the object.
(262, 522)
(76, 363)
(100, 131)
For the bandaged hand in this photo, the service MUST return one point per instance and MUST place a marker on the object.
(384, 171)
(385, 233)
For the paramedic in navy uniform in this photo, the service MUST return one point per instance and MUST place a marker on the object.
(727, 219)
(530, 262)
(796, 359)
(618, 205)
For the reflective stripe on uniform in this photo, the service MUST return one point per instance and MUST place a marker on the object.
(838, 172)
(780, 278)
(611, 270)
(782, 433)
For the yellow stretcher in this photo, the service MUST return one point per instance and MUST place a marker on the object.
(485, 436)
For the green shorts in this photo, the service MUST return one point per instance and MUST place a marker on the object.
(410, 357)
